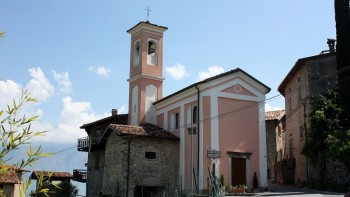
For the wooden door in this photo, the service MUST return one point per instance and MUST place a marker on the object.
(238, 171)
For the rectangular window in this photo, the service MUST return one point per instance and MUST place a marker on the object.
(150, 155)
(176, 120)
(194, 115)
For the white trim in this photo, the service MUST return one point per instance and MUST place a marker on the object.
(214, 129)
(145, 76)
(165, 121)
(134, 105)
(145, 27)
(212, 88)
(262, 147)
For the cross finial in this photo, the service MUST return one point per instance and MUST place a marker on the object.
(148, 10)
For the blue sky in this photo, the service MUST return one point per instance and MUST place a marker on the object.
(74, 55)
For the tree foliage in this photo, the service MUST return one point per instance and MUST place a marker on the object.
(16, 132)
(327, 136)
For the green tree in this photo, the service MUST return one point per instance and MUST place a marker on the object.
(327, 137)
(16, 132)
(67, 189)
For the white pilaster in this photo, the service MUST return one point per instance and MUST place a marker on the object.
(262, 146)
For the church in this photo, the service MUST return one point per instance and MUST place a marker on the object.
(176, 145)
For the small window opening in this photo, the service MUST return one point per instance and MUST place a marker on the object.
(194, 115)
(176, 120)
(151, 48)
(137, 53)
(150, 155)
(152, 53)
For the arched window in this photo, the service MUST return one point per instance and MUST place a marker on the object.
(137, 53)
(152, 52)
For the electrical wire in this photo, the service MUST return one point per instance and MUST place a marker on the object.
(291, 91)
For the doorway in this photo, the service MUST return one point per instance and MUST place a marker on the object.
(238, 171)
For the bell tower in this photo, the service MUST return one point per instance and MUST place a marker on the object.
(146, 71)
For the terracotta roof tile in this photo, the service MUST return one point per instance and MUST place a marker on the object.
(54, 175)
(145, 129)
(274, 115)
(10, 174)
(9, 177)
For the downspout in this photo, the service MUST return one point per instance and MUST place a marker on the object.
(198, 141)
(128, 168)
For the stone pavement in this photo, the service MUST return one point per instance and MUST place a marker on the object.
(289, 191)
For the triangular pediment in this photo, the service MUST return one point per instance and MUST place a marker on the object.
(238, 89)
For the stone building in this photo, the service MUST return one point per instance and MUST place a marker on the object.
(307, 79)
(275, 136)
(11, 180)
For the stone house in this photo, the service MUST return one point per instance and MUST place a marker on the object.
(275, 140)
(212, 127)
(307, 79)
(11, 181)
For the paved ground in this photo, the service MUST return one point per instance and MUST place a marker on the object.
(278, 190)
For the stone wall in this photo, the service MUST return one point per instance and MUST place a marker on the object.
(313, 77)
(163, 170)
(271, 147)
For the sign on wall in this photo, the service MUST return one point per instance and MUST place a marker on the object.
(214, 154)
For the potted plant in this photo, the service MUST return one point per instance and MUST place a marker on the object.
(223, 184)
(255, 183)
(238, 189)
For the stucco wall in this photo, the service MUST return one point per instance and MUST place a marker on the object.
(239, 132)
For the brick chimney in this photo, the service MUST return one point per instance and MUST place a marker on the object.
(331, 45)
(114, 112)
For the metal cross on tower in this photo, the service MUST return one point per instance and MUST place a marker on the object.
(148, 10)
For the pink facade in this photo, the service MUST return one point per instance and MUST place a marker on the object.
(224, 113)
(231, 120)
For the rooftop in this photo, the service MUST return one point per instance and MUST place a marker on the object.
(145, 129)
(274, 115)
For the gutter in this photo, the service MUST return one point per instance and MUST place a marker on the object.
(198, 141)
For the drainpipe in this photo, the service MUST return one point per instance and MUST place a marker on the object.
(128, 168)
(198, 143)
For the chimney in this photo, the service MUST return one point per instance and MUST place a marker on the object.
(331, 45)
(114, 112)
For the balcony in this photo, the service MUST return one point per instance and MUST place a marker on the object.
(83, 144)
(80, 175)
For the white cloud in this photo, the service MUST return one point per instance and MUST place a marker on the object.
(39, 86)
(122, 110)
(272, 108)
(63, 81)
(67, 128)
(8, 91)
(101, 70)
(178, 71)
(212, 71)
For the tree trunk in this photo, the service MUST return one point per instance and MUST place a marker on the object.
(342, 18)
